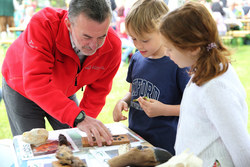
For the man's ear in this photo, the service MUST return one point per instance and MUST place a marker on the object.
(68, 24)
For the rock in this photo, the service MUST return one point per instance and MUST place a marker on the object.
(36, 136)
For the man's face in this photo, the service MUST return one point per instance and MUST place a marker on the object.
(88, 35)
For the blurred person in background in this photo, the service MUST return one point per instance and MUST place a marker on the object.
(217, 7)
(127, 44)
(218, 15)
(231, 16)
(6, 17)
(114, 14)
(246, 7)
(224, 3)
(29, 11)
(237, 9)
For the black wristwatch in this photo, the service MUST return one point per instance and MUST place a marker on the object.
(81, 116)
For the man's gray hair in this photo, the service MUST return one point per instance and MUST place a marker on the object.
(97, 10)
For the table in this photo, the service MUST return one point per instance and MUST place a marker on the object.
(16, 29)
(238, 33)
(245, 24)
(6, 153)
(93, 156)
(6, 41)
(232, 22)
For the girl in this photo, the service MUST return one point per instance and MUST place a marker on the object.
(213, 116)
(154, 75)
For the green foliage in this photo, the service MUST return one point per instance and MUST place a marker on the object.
(241, 63)
(119, 89)
(58, 3)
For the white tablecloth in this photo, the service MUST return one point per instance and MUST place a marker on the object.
(6, 155)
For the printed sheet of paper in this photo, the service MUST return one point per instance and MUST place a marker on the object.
(28, 151)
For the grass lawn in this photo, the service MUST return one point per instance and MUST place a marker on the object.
(241, 62)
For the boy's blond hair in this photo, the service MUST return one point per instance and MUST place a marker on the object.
(145, 16)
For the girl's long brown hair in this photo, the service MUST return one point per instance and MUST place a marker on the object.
(190, 27)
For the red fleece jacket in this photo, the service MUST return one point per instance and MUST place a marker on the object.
(42, 66)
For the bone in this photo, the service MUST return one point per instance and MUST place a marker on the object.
(141, 156)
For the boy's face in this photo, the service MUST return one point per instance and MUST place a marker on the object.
(150, 45)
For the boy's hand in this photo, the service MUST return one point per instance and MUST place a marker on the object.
(151, 107)
(117, 112)
(144, 97)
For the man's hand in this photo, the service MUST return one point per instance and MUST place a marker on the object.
(117, 112)
(95, 128)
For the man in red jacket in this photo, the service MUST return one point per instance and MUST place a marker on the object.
(60, 52)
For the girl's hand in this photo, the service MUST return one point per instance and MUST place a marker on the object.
(117, 112)
(151, 107)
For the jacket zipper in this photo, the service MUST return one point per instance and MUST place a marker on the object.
(78, 70)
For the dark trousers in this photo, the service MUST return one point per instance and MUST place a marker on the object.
(24, 114)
